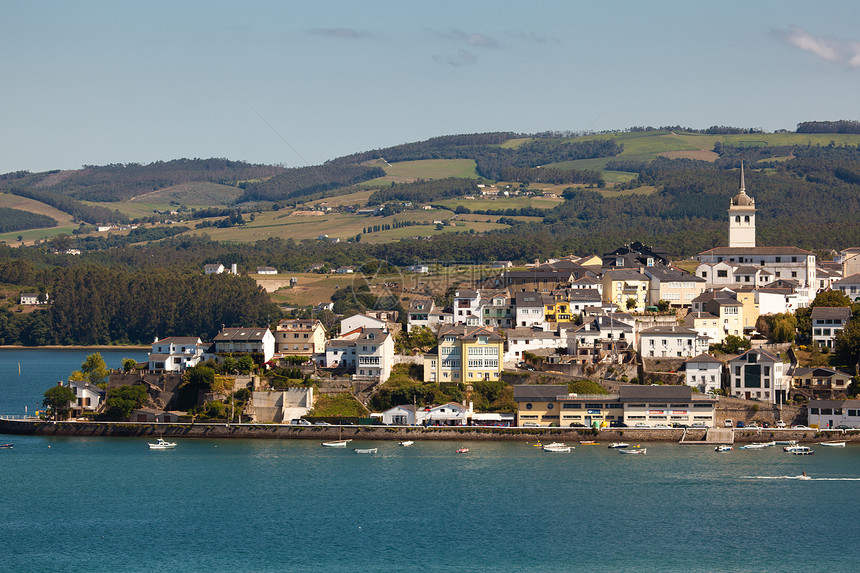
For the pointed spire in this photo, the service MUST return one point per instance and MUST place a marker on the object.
(742, 189)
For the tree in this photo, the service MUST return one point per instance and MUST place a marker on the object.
(57, 400)
(831, 298)
(848, 344)
(631, 303)
(732, 345)
(122, 400)
(662, 305)
(93, 370)
(585, 387)
(128, 364)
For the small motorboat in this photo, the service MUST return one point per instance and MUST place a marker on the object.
(406, 443)
(6, 446)
(723, 448)
(803, 451)
(537, 445)
(756, 446)
(557, 447)
(337, 444)
(636, 450)
(792, 447)
(463, 451)
(365, 450)
(589, 443)
(825, 444)
(161, 444)
(618, 445)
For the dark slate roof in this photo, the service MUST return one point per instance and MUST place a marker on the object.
(849, 280)
(836, 312)
(669, 330)
(538, 392)
(818, 371)
(528, 299)
(255, 334)
(637, 393)
(189, 340)
(704, 358)
(583, 295)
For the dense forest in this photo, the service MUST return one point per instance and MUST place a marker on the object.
(303, 181)
(106, 305)
(16, 220)
(425, 191)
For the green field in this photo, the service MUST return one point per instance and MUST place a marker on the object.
(501, 203)
(407, 171)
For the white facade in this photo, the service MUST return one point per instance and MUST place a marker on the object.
(175, 354)
(360, 321)
(826, 322)
(703, 372)
(834, 413)
(758, 375)
(400, 416)
(671, 342)
(374, 354)
(521, 340)
(850, 286)
(88, 397)
(246, 340)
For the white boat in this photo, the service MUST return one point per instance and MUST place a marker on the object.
(792, 447)
(617, 445)
(406, 443)
(802, 451)
(557, 448)
(640, 451)
(832, 444)
(756, 446)
(162, 445)
(723, 448)
(553, 445)
(364, 450)
(337, 444)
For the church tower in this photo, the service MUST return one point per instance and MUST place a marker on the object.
(742, 217)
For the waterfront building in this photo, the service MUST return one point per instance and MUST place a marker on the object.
(666, 405)
(704, 373)
(245, 341)
(834, 413)
(758, 375)
(819, 382)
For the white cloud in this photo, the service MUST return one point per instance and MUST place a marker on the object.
(846, 52)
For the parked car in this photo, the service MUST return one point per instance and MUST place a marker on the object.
(740, 424)
(800, 427)
(844, 427)
(752, 425)
(780, 424)
(728, 423)
(642, 425)
(321, 424)
(300, 422)
(699, 425)
(662, 426)
(678, 425)
(616, 424)
(577, 425)
(530, 425)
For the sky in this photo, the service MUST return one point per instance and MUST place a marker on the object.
(298, 83)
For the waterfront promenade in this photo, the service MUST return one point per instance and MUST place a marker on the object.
(220, 430)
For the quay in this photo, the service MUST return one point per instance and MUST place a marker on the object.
(222, 430)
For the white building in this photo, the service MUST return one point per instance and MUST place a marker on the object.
(400, 416)
(742, 217)
(850, 286)
(758, 375)
(826, 322)
(213, 269)
(245, 341)
(374, 354)
(834, 413)
(267, 271)
(703, 372)
(672, 342)
(450, 414)
(529, 309)
(175, 353)
(359, 321)
(88, 397)
(521, 340)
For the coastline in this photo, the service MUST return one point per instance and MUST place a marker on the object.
(223, 430)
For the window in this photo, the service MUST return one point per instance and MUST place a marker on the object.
(722, 274)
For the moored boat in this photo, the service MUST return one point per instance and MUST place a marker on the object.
(832, 444)
(589, 443)
(406, 443)
(756, 446)
(617, 445)
(337, 444)
(365, 450)
(636, 450)
(723, 448)
(463, 451)
(803, 451)
(6, 446)
(792, 448)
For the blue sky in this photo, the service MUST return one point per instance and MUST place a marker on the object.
(297, 83)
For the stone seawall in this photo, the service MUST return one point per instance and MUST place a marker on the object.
(277, 431)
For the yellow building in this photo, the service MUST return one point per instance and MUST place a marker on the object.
(619, 286)
(557, 309)
(300, 337)
(465, 354)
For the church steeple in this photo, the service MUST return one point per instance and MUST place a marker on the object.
(742, 217)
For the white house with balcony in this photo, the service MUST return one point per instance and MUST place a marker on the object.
(176, 353)
(826, 322)
(374, 354)
(245, 341)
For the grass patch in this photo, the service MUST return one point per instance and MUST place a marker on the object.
(502, 203)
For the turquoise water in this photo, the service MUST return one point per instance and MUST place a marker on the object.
(41, 369)
(97, 504)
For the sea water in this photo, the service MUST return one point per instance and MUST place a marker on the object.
(111, 504)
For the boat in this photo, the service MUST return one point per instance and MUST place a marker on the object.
(537, 445)
(756, 446)
(406, 443)
(723, 448)
(589, 443)
(826, 444)
(463, 451)
(557, 448)
(6, 446)
(785, 442)
(792, 447)
(803, 451)
(636, 450)
(365, 450)
(337, 444)
(161, 444)
(617, 445)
